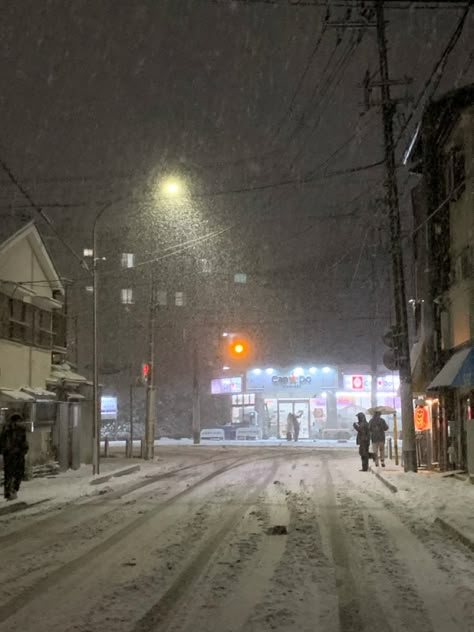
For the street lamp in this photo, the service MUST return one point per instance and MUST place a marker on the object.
(172, 189)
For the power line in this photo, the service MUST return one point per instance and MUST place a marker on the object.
(438, 69)
(40, 211)
(289, 110)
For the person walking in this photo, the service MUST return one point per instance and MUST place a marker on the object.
(378, 427)
(363, 440)
(13, 446)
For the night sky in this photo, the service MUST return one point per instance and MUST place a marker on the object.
(243, 99)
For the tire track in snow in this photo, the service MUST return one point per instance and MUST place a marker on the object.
(44, 584)
(358, 611)
(160, 615)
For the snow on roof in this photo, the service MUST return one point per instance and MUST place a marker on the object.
(38, 393)
(15, 395)
(64, 373)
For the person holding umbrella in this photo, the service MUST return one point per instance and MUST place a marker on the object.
(378, 427)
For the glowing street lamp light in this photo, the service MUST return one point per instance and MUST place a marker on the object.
(172, 188)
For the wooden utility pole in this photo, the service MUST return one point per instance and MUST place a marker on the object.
(398, 274)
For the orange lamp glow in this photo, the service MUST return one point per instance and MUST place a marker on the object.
(239, 348)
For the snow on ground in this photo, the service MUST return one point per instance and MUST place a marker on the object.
(430, 494)
(198, 551)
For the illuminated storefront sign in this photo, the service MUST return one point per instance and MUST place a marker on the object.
(385, 383)
(292, 380)
(307, 381)
(226, 385)
(108, 407)
(422, 419)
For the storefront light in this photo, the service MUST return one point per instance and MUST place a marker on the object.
(269, 371)
(313, 370)
(298, 371)
(226, 368)
(257, 371)
(324, 394)
(326, 369)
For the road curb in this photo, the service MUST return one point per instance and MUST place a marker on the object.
(383, 480)
(118, 473)
(454, 532)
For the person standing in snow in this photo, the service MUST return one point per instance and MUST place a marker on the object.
(363, 440)
(378, 427)
(13, 446)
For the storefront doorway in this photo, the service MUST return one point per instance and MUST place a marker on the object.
(295, 406)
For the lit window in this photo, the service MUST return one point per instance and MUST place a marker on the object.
(127, 296)
(87, 252)
(89, 289)
(161, 298)
(179, 299)
(240, 278)
(128, 260)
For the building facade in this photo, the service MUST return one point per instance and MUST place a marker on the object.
(443, 305)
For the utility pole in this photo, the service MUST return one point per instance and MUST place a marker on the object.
(373, 300)
(196, 394)
(150, 421)
(96, 413)
(398, 275)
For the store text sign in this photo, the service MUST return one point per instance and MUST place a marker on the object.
(291, 380)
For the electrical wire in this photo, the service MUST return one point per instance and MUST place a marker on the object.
(40, 211)
(438, 69)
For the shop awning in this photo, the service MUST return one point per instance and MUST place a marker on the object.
(13, 395)
(38, 393)
(458, 372)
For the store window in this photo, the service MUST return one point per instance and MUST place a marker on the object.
(179, 299)
(87, 252)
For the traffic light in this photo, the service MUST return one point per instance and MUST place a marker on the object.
(146, 372)
(391, 356)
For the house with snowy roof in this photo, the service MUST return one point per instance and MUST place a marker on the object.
(35, 378)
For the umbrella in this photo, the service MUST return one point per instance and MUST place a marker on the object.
(384, 410)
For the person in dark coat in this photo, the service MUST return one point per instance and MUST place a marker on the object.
(378, 427)
(363, 439)
(13, 446)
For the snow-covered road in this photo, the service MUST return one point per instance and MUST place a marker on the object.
(197, 550)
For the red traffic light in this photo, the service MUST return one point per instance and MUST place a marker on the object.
(146, 371)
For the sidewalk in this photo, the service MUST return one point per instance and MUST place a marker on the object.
(434, 497)
(74, 484)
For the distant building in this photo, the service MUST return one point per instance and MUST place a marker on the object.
(34, 375)
(443, 304)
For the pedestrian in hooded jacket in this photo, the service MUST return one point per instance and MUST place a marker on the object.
(13, 446)
(363, 440)
(378, 427)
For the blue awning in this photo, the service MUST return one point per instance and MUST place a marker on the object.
(458, 372)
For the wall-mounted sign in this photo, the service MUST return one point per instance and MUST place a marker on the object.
(388, 383)
(357, 382)
(226, 385)
(108, 407)
(422, 419)
(291, 380)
